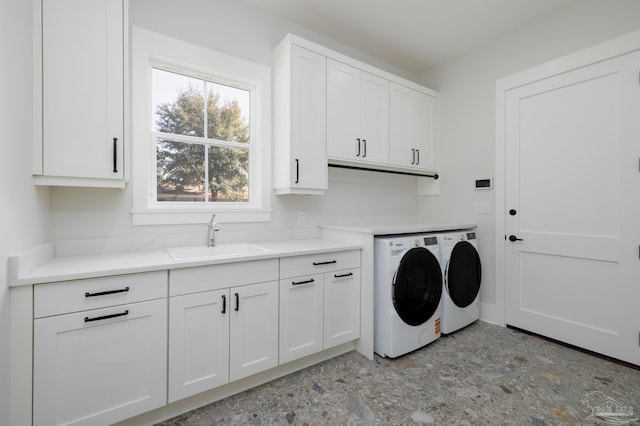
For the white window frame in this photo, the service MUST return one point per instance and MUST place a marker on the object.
(152, 50)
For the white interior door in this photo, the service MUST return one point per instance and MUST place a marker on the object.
(572, 191)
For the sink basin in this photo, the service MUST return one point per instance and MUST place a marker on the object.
(184, 254)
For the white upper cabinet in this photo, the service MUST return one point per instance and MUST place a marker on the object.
(357, 114)
(412, 128)
(299, 157)
(80, 135)
(330, 109)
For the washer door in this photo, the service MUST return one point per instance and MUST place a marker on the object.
(417, 286)
(463, 274)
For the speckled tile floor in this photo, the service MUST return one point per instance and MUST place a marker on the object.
(481, 375)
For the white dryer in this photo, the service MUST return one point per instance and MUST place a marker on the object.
(462, 273)
(408, 291)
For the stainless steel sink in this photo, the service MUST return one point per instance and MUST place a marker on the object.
(185, 254)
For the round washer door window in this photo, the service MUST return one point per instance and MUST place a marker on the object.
(463, 274)
(417, 286)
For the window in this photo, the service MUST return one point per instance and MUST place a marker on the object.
(200, 134)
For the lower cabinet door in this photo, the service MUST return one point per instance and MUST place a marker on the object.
(341, 307)
(301, 312)
(198, 343)
(253, 329)
(101, 366)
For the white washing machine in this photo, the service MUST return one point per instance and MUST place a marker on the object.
(408, 291)
(462, 273)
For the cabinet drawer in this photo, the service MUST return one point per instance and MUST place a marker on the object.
(79, 295)
(215, 277)
(318, 263)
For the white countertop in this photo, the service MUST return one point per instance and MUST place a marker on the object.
(96, 265)
(392, 227)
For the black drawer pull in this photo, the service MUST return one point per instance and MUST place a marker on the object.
(343, 275)
(104, 317)
(329, 262)
(237, 301)
(224, 304)
(104, 293)
(303, 282)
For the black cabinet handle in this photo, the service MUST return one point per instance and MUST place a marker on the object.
(104, 317)
(417, 157)
(413, 156)
(224, 304)
(513, 238)
(302, 282)
(364, 143)
(513, 212)
(358, 147)
(297, 171)
(115, 155)
(104, 293)
(343, 275)
(329, 262)
(237, 302)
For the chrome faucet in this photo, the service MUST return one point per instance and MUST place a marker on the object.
(213, 227)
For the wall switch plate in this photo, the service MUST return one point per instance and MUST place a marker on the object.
(483, 207)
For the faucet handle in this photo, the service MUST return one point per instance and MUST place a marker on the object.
(212, 223)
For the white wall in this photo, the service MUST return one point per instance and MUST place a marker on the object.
(467, 88)
(234, 28)
(23, 208)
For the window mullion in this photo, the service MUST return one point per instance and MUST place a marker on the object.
(206, 136)
(206, 173)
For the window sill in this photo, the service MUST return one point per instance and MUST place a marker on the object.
(182, 216)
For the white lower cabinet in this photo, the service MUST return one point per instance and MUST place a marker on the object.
(198, 343)
(318, 310)
(301, 317)
(341, 307)
(100, 345)
(253, 340)
(101, 366)
(224, 328)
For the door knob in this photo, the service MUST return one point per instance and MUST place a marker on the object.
(513, 238)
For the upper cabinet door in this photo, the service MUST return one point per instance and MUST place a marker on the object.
(357, 114)
(299, 120)
(412, 128)
(374, 118)
(308, 127)
(343, 111)
(83, 90)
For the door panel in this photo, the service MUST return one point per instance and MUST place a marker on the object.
(375, 118)
(568, 175)
(343, 110)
